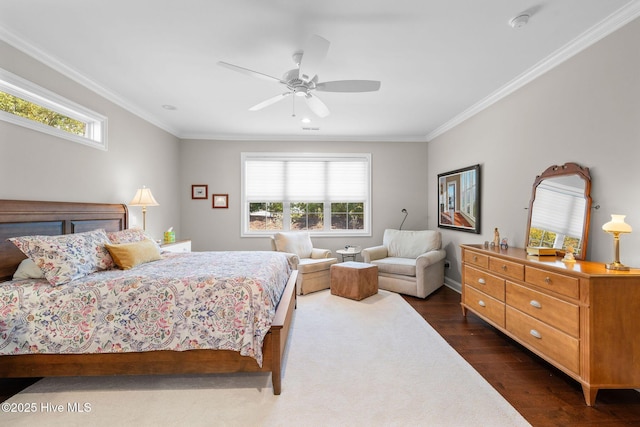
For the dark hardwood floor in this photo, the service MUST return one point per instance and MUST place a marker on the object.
(542, 394)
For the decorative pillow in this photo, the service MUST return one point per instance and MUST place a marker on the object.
(28, 270)
(129, 235)
(294, 242)
(67, 257)
(410, 244)
(128, 255)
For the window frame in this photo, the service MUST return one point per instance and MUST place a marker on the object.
(96, 124)
(286, 220)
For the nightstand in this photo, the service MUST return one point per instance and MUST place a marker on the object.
(178, 246)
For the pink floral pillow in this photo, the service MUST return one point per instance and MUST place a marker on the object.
(67, 257)
(130, 235)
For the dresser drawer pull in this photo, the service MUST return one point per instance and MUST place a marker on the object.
(504, 268)
(535, 334)
(547, 280)
(482, 303)
(475, 258)
(535, 304)
(482, 281)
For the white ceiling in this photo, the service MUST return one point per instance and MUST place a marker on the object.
(439, 61)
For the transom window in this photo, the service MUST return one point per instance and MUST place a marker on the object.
(321, 193)
(26, 104)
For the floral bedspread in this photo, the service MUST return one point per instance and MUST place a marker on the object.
(197, 300)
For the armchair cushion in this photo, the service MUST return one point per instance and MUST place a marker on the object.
(393, 265)
(310, 265)
(296, 242)
(410, 244)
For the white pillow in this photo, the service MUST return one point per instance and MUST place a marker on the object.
(28, 270)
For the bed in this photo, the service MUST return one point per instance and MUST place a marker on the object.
(26, 218)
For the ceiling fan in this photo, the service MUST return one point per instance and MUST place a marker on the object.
(302, 81)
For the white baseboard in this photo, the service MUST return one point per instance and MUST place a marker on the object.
(450, 283)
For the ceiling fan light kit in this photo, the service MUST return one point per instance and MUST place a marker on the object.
(303, 80)
(519, 21)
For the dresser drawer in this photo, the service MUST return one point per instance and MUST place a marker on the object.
(484, 305)
(554, 344)
(553, 311)
(484, 282)
(510, 269)
(476, 259)
(559, 283)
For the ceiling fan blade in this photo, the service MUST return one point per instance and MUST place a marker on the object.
(269, 101)
(314, 53)
(316, 105)
(349, 86)
(248, 71)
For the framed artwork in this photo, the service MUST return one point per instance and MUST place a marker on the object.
(220, 200)
(199, 191)
(459, 199)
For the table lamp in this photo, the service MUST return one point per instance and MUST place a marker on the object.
(616, 227)
(143, 198)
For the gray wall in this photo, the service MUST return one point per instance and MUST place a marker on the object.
(399, 179)
(587, 111)
(37, 166)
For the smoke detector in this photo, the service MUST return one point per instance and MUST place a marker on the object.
(519, 21)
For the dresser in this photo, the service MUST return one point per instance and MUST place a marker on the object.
(580, 317)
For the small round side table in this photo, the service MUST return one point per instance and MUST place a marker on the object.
(349, 252)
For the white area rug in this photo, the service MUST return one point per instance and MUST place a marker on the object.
(374, 362)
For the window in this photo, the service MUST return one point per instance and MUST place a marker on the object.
(26, 104)
(326, 194)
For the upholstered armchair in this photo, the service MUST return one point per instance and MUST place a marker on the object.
(315, 264)
(409, 262)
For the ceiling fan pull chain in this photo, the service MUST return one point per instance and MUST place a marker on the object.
(293, 106)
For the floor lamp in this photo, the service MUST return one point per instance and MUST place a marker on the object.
(143, 198)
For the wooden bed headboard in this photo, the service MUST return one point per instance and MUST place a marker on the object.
(26, 218)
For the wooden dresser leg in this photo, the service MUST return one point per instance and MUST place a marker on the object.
(589, 395)
(464, 310)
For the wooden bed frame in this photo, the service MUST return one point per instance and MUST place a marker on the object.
(21, 218)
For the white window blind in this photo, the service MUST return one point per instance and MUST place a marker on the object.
(285, 179)
(553, 197)
(306, 178)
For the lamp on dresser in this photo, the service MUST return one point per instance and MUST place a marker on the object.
(616, 227)
(143, 198)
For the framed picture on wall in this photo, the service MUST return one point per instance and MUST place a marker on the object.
(220, 201)
(459, 199)
(199, 191)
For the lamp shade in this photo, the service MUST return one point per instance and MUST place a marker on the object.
(617, 225)
(143, 197)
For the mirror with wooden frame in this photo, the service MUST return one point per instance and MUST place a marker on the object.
(559, 210)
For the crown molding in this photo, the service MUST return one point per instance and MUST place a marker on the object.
(596, 33)
(321, 138)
